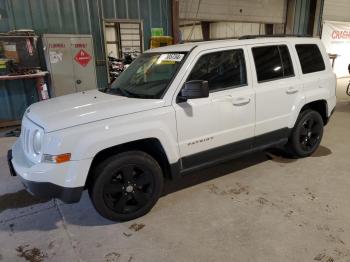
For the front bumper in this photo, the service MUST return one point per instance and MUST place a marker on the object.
(9, 162)
(63, 181)
(49, 190)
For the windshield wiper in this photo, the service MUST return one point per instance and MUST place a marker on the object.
(130, 94)
(115, 91)
(142, 95)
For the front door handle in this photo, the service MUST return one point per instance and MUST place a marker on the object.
(223, 99)
(291, 91)
(241, 101)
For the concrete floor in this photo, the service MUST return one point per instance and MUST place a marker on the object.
(258, 208)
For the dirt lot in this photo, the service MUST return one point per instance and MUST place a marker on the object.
(262, 207)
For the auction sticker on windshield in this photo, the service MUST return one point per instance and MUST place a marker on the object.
(170, 58)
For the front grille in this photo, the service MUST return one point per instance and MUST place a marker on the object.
(26, 139)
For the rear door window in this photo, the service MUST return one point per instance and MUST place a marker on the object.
(310, 57)
(272, 62)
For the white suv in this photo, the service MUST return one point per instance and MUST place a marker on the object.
(174, 110)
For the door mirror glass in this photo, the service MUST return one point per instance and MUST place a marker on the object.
(194, 89)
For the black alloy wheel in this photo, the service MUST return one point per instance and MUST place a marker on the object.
(310, 134)
(126, 186)
(306, 135)
(129, 189)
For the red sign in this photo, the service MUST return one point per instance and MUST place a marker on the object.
(80, 45)
(82, 57)
(57, 45)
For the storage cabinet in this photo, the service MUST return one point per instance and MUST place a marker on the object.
(71, 63)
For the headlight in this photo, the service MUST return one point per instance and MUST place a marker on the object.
(37, 142)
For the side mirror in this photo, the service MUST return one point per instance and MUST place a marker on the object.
(194, 89)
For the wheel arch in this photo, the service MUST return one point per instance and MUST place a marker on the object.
(151, 146)
(319, 106)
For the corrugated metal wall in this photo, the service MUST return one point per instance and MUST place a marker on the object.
(298, 17)
(301, 16)
(15, 97)
(75, 17)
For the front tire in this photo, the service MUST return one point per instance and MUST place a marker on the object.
(306, 135)
(126, 186)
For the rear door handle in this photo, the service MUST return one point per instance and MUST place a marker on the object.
(241, 101)
(291, 91)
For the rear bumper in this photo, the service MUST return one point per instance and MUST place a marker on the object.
(43, 189)
(331, 103)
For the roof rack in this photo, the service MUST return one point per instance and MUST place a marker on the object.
(265, 36)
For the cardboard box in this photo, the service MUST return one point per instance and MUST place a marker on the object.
(10, 52)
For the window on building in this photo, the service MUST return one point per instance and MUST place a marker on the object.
(123, 37)
(222, 70)
(272, 62)
(310, 58)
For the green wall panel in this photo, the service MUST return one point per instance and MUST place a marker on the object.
(74, 17)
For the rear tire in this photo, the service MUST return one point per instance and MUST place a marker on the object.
(126, 186)
(306, 135)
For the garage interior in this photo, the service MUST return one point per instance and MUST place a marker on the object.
(261, 207)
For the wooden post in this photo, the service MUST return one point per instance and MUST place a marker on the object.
(175, 18)
(205, 30)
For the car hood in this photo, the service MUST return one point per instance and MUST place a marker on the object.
(85, 107)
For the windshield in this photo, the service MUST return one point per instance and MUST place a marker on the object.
(148, 76)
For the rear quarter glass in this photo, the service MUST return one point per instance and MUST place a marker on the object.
(310, 57)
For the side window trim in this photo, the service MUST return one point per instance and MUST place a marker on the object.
(282, 62)
(240, 48)
(227, 88)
